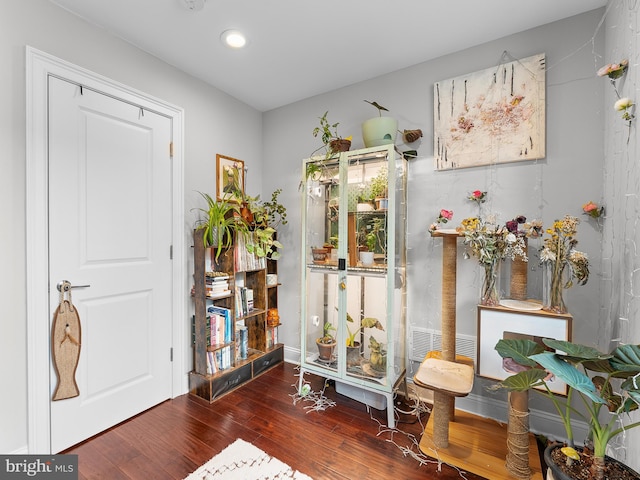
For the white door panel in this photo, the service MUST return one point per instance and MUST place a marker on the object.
(110, 228)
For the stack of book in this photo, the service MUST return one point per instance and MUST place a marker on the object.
(217, 284)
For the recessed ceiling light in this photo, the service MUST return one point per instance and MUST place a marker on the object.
(233, 38)
(194, 5)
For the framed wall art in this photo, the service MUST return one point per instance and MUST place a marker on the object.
(229, 178)
(497, 323)
(492, 116)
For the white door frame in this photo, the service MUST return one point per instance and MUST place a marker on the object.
(39, 66)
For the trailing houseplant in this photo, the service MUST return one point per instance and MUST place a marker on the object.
(220, 223)
(601, 381)
(262, 220)
(331, 140)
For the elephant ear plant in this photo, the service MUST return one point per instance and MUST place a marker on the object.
(610, 381)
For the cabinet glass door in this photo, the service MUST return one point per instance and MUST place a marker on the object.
(353, 267)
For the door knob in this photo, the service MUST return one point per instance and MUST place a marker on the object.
(65, 285)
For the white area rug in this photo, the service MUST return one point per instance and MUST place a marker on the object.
(243, 461)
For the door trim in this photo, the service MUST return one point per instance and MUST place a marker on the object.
(39, 66)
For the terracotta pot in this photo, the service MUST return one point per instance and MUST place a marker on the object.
(340, 145)
(319, 255)
(325, 350)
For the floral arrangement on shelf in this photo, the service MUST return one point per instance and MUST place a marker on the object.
(443, 217)
(593, 210)
(491, 244)
(563, 263)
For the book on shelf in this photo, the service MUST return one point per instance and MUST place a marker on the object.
(212, 366)
(224, 327)
(249, 299)
(223, 358)
(245, 261)
(207, 330)
(242, 342)
(272, 337)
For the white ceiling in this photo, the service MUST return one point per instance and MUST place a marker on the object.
(301, 48)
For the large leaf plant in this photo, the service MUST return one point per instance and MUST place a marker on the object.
(588, 373)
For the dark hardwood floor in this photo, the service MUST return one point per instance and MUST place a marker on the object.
(343, 442)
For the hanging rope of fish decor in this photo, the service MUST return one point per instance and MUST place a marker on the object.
(65, 345)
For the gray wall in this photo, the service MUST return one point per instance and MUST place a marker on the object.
(547, 189)
(619, 300)
(214, 123)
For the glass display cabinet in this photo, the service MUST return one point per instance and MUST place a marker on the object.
(353, 273)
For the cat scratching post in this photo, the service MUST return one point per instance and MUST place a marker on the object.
(517, 461)
(444, 376)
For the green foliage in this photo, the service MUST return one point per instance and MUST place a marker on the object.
(220, 223)
(367, 322)
(327, 336)
(223, 219)
(519, 351)
(577, 366)
(329, 131)
(275, 212)
(378, 106)
(379, 183)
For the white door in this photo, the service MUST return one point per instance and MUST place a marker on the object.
(110, 236)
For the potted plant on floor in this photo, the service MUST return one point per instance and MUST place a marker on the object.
(592, 376)
(379, 130)
(326, 343)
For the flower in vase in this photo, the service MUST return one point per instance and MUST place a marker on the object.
(513, 225)
(491, 244)
(533, 229)
(443, 217)
(592, 209)
(565, 263)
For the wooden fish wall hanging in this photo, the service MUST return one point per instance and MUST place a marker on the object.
(65, 345)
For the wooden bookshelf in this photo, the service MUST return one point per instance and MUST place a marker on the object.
(261, 353)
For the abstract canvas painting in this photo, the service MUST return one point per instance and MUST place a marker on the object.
(491, 116)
